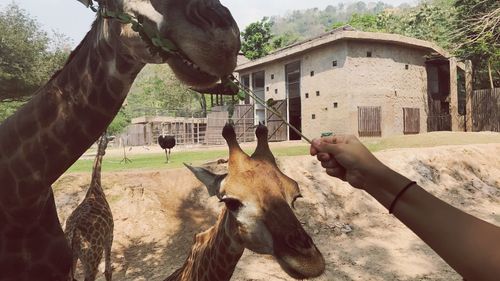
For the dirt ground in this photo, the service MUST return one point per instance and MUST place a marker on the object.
(157, 213)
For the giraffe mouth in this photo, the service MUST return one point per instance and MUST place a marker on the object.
(191, 73)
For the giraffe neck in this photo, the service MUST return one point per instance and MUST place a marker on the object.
(214, 254)
(95, 188)
(45, 137)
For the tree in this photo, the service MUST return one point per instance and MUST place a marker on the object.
(477, 38)
(257, 37)
(28, 56)
(157, 89)
(283, 40)
(119, 123)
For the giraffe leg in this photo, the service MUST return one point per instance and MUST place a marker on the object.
(108, 272)
(73, 238)
(90, 259)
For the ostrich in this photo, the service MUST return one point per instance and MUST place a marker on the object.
(166, 142)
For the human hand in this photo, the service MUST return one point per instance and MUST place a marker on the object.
(346, 158)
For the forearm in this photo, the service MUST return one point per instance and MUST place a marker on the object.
(469, 245)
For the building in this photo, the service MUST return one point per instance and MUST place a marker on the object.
(362, 83)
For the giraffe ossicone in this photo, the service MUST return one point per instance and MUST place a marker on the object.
(49, 133)
(257, 216)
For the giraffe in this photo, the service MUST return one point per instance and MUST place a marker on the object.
(257, 216)
(89, 228)
(66, 115)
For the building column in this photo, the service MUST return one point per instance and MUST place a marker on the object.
(469, 91)
(455, 120)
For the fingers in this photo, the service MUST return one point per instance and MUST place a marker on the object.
(337, 172)
(323, 156)
(318, 146)
(332, 163)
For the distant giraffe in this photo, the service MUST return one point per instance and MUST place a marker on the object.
(49, 133)
(89, 228)
(258, 216)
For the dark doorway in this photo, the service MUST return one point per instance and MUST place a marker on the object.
(258, 82)
(438, 87)
(292, 74)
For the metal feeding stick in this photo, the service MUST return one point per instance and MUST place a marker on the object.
(269, 107)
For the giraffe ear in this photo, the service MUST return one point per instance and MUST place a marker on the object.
(210, 180)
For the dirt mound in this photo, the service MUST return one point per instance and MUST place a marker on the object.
(157, 214)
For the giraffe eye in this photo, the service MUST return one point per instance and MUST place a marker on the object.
(295, 199)
(232, 204)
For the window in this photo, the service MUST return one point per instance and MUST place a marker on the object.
(272, 76)
(313, 116)
(334, 63)
(312, 73)
(317, 93)
(307, 95)
(369, 54)
(335, 104)
(407, 66)
(275, 91)
(267, 89)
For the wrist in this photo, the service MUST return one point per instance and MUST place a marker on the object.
(384, 184)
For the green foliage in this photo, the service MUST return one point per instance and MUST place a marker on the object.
(366, 22)
(156, 91)
(28, 56)
(121, 121)
(8, 108)
(283, 40)
(426, 21)
(257, 37)
(311, 22)
(477, 37)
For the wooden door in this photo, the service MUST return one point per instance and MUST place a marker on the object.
(369, 121)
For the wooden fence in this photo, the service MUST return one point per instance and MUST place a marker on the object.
(486, 110)
(243, 120)
(276, 127)
(215, 124)
(369, 121)
(439, 122)
(244, 126)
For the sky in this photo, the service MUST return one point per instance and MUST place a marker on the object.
(71, 18)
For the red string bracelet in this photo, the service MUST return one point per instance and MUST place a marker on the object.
(391, 208)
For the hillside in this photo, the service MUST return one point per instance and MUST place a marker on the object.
(314, 21)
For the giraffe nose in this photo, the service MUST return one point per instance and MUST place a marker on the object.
(209, 14)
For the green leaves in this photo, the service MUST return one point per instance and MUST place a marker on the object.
(28, 55)
(271, 102)
(256, 39)
(241, 95)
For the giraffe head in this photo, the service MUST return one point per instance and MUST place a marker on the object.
(203, 31)
(260, 198)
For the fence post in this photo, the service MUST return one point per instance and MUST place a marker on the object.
(468, 96)
(455, 122)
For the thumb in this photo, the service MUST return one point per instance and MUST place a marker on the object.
(321, 146)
